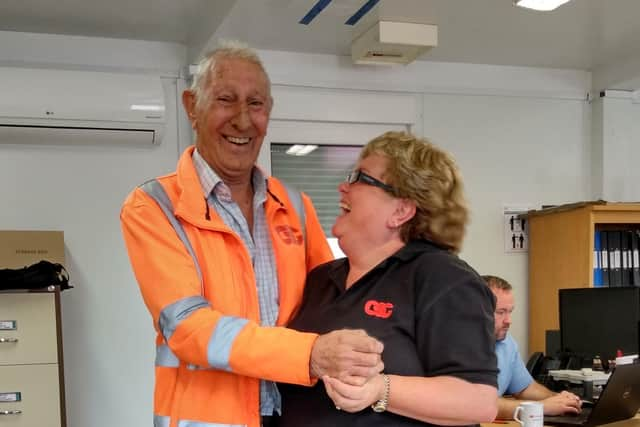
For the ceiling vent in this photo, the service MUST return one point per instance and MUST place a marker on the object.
(388, 42)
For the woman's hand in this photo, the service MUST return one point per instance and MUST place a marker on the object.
(353, 398)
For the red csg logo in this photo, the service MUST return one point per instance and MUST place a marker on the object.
(289, 235)
(378, 309)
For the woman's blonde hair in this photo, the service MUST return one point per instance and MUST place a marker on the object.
(427, 175)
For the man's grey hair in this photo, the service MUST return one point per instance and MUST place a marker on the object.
(227, 49)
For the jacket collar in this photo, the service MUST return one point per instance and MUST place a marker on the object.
(192, 204)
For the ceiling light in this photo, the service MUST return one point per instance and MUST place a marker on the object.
(146, 107)
(544, 5)
(301, 150)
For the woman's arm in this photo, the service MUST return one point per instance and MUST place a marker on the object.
(443, 400)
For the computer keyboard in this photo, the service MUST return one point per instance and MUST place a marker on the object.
(577, 419)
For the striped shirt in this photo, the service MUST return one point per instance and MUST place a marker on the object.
(259, 247)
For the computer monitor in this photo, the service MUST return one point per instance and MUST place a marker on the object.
(599, 321)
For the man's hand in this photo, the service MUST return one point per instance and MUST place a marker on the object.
(562, 403)
(351, 356)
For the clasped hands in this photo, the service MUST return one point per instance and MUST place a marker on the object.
(349, 363)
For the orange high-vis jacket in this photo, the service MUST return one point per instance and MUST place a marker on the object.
(211, 351)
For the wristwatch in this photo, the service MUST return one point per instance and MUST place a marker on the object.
(381, 405)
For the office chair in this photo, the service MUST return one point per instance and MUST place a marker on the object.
(535, 363)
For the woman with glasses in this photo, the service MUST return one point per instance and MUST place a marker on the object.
(402, 222)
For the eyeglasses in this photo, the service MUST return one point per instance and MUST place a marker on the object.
(359, 176)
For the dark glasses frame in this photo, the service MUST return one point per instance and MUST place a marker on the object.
(358, 176)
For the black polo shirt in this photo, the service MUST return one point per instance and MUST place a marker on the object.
(431, 310)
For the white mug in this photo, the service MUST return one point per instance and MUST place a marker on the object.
(529, 414)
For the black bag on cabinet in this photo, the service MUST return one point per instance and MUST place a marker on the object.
(39, 275)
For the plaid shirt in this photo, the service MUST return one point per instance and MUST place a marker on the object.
(258, 245)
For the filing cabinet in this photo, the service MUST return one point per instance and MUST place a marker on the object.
(31, 370)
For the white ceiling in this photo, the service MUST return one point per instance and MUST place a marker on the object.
(583, 34)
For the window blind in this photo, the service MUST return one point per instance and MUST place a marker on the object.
(317, 173)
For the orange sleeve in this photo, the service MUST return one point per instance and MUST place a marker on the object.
(166, 275)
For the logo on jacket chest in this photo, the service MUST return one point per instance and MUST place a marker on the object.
(379, 309)
(289, 235)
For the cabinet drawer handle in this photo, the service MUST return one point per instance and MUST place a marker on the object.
(12, 340)
(14, 412)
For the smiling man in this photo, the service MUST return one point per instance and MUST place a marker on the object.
(221, 253)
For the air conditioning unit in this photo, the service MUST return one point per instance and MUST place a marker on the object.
(70, 106)
(390, 42)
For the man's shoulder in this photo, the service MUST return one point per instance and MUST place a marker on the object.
(277, 187)
(509, 340)
(140, 195)
(513, 372)
(507, 346)
(284, 192)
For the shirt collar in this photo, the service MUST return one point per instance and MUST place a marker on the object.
(503, 340)
(208, 178)
(210, 181)
(416, 247)
(413, 248)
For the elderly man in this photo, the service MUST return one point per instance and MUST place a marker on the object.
(221, 253)
(513, 377)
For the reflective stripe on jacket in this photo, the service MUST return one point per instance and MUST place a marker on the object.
(211, 350)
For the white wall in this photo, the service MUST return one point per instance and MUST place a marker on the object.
(597, 154)
(108, 351)
(76, 52)
(518, 133)
(620, 126)
(108, 334)
(513, 151)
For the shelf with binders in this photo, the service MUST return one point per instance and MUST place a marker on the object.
(616, 260)
(562, 255)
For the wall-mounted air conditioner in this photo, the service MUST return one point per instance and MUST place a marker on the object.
(70, 106)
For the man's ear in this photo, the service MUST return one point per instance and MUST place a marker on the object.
(189, 103)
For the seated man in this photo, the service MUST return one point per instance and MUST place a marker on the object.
(513, 377)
